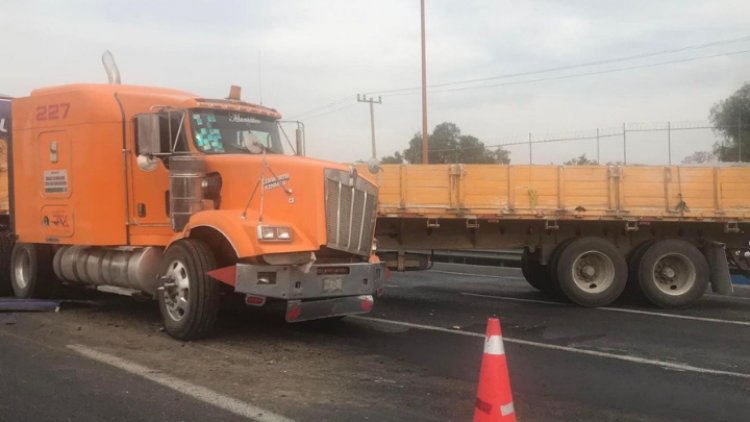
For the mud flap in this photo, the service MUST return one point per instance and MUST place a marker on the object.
(299, 310)
(721, 280)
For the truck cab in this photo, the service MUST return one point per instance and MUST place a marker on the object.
(187, 200)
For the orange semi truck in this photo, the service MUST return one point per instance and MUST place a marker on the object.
(185, 199)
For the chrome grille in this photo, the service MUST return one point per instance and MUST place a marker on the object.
(351, 204)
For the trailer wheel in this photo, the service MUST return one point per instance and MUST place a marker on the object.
(554, 283)
(188, 297)
(31, 274)
(6, 249)
(591, 272)
(673, 273)
(633, 288)
(534, 272)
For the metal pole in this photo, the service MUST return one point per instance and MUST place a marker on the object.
(598, 161)
(372, 129)
(739, 138)
(260, 79)
(669, 142)
(624, 146)
(363, 99)
(425, 136)
(530, 160)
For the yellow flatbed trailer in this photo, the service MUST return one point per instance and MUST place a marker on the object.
(588, 232)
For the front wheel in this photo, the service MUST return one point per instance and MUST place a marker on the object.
(188, 296)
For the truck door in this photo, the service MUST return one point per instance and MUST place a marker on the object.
(150, 174)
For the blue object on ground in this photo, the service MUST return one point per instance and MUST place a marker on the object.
(28, 305)
(740, 279)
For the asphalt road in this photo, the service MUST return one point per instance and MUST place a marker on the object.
(415, 358)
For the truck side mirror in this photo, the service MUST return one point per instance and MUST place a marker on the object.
(148, 134)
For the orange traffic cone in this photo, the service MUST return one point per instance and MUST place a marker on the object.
(494, 398)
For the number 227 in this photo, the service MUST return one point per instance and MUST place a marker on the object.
(52, 111)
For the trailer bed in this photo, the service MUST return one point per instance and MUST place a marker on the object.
(676, 193)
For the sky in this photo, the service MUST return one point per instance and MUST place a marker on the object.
(310, 59)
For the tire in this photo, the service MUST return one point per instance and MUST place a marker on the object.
(553, 282)
(31, 274)
(591, 272)
(188, 297)
(633, 288)
(532, 271)
(535, 273)
(673, 274)
(6, 249)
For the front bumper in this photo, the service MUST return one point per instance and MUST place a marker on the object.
(325, 290)
(321, 281)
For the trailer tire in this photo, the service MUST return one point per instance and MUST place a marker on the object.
(6, 249)
(673, 273)
(554, 283)
(31, 273)
(535, 273)
(591, 272)
(188, 297)
(633, 288)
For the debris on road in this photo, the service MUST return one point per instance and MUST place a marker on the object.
(28, 305)
(9, 304)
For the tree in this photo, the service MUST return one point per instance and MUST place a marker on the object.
(731, 119)
(396, 158)
(700, 157)
(581, 160)
(448, 145)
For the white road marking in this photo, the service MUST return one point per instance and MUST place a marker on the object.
(197, 392)
(623, 310)
(516, 299)
(467, 274)
(675, 366)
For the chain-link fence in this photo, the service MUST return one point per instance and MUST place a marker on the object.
(684, 142)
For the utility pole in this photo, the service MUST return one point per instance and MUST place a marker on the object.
(739, 138)
(363, 99)
(425, 135)
(624, 146)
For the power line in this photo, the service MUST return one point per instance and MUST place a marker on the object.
(320, 110)
(573, 66)
(576, 75)
(316, 115)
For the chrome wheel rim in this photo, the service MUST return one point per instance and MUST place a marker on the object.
(593, 272)
(674, 274)
(176, 291)
(22, 268)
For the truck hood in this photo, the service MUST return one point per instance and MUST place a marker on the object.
(293, 195)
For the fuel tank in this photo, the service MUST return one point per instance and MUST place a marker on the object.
(122, 267)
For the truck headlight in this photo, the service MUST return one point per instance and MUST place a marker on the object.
(274, 233)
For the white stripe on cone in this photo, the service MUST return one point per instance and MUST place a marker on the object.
(506, 409)
(494, 346)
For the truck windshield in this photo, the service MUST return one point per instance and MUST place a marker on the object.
(230, 132)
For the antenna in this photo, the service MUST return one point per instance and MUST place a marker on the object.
(113, 73)
(260, 78)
